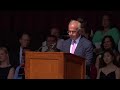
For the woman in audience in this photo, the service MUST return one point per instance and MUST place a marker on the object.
(109, 70)
(6, 70)
(106, 29)
(107, 43)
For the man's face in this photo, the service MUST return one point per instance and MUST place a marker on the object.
(105, 21)
(73, 30)
(51, 41)
(25, 40)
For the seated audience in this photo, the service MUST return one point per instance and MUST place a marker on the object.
(109, 70)
(55, 32)
(85, 32)
(6, 70)
(85, 28)
(106, 29)
(16, 53)
(19, 72)
(51, 43)
(107, 43)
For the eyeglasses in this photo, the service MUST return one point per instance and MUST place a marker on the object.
(72, 31)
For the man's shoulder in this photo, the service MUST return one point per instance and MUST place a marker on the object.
(67, 40)
(86, 40)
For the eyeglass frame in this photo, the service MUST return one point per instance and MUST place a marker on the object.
(73, 31)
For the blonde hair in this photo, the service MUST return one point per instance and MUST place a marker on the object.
(4, 49)
(74, 21)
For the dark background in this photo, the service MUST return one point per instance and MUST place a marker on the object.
(38, 23)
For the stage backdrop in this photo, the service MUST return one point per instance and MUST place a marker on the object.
(38, 23)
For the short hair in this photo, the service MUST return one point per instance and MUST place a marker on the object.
(110, 16)
(24, 33)
(56, 28)
(72, 21)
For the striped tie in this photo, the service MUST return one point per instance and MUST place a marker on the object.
(73, 47)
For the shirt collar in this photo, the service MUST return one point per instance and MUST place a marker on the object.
(77, 40)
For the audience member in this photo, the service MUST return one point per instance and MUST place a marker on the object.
(6, 69)
(109, 70)
(107, 43)
(20, 72)
(55, 32)
(85, 28)
(51, 43)
(106, 29)
(16, 54)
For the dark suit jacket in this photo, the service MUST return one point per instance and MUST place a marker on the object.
(14, 56)
(84, 49)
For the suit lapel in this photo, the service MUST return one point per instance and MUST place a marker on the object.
(79, 44)
(18, 55)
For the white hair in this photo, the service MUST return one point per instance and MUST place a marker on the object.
(74, 21)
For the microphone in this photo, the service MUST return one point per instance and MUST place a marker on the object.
(53, 45)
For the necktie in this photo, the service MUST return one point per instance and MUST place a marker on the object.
(73, 47)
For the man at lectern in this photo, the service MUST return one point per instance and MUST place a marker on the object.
(78, 44)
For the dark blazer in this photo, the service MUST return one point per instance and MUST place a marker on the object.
(14, 56)
(84, 49)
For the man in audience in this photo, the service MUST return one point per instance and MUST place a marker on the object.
(56, 32)
(52, 43)
(16, 54)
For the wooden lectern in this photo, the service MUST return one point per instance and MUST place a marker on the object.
(54, 65)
